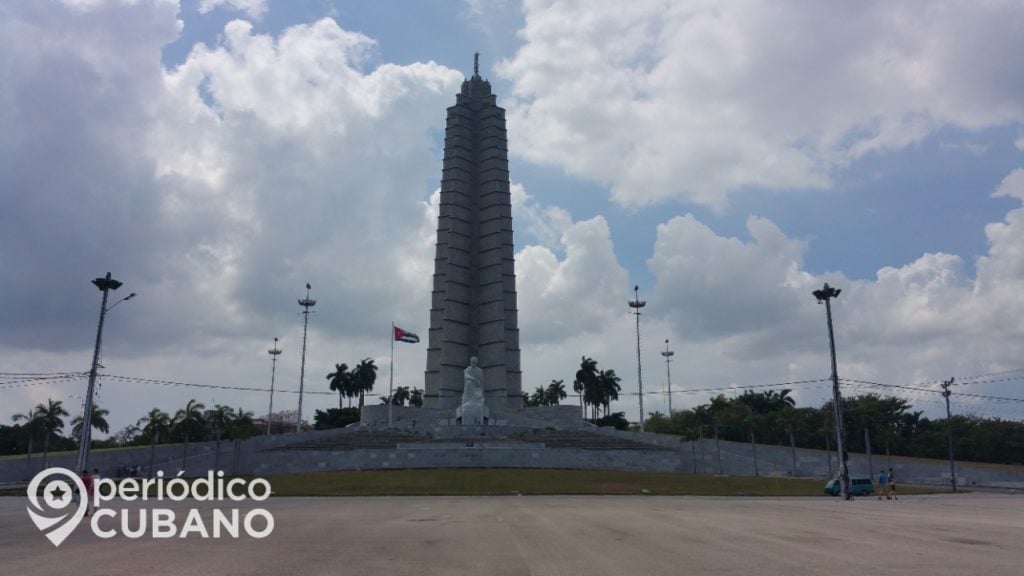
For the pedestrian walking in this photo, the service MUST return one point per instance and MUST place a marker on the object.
(87, 482)
(95, 483)
(883, 484)
(892, 485)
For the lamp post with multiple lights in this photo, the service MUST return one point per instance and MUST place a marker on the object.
(105, 285)
(274, 353)
(668, 374)
(826, 294)
(306, 303)
(636, 304)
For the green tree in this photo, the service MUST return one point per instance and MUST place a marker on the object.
(218, 420)
(537, 398)
(555, 393)
(189, 423)
(51, 416)
(527, 401)
(98, 421)
(241, 425)
(608, 389)
(156, 425)
(341, 382)
(30, 427)
(364, 375)
(401, 395)
(617, 420)
(585, 382)
(659, 423)
(335, 418)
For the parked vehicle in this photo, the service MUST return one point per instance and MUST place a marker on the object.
(859, 486)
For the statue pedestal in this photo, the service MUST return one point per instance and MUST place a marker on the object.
(472, 413)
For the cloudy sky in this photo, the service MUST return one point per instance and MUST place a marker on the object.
(727, 157)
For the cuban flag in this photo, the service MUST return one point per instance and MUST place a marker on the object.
(403, 336)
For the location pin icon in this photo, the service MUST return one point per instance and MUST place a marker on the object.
(57, 496)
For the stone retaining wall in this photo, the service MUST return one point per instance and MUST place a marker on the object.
(493, 448)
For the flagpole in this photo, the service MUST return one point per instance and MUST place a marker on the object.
(391, 376)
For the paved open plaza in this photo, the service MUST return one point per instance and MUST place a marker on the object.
(558, 535)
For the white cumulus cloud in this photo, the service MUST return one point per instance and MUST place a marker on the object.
(696, 100)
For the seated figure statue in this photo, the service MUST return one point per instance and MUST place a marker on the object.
(472, 410)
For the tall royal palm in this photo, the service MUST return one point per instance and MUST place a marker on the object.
(98, 421)
(401, 396)
(157, 425)
(364, 375)
(340, 382)
(188, 421)
(31, 426)
(554, 393)
(51, 416)
(585, 382)
(608, 384)
(219, 419)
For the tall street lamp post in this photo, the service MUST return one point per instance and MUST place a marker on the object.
(105, 285)
(306, 303)
(636, 304)
(274, 353)
(668, 374)
(826, 294)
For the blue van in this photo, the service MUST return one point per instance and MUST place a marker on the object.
(859, 486)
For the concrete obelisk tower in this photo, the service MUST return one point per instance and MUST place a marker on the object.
(473, 305)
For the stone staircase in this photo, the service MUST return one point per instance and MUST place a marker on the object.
(471, 437)
(358, 439)
(584, 440)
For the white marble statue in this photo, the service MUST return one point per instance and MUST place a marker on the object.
(472, 410)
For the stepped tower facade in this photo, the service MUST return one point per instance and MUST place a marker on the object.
(473, 305)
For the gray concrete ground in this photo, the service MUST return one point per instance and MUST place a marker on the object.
(561, 535)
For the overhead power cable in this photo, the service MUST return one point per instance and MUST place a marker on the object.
(194, 385)
(961, 394)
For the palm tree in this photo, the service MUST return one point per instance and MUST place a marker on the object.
(241, 425)
(98, 421)
(340, 381)
(51, 415)
(554, 393)
(156, 424)
(608, 385)
(585, 382)
(416, 398)
(401, 396)
(537, 398)
(186, 420)
(219, 418)
(363, 376)
(31, 419)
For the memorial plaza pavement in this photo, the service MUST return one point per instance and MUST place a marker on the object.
(562, 535)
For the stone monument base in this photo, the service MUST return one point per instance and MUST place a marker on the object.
(411, 417)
